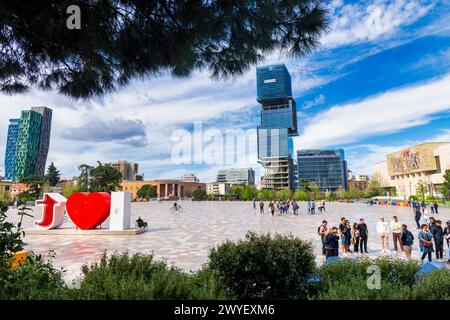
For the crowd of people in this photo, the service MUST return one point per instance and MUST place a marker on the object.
(289, 207)
(352, 239)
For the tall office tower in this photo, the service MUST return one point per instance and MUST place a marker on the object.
(278, 126)
(11, 146)
(327, 168)
(27, 144)
(44, 140)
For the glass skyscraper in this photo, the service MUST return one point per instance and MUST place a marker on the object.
(11, 145)
(28, 144)
(278, 125)
(327, 168)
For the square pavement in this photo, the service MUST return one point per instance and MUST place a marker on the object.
(184, 239)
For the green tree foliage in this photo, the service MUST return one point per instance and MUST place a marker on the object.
(36, 185)
(10, 235)
(84, 177)
(101, 178)
(267, 194)
(242, 192)
(422, 190)
(68, 189)
(53, 175)
(120, 40)
(199, 195)
(445, 188)
(147, 192)
(374, 188)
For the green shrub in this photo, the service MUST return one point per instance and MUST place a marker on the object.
(355, 288)
(392, 270)
(264, 266)
(140, 276)
(34, 279)
(433, 286)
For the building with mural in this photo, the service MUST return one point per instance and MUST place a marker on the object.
(28, 144)
(423, 164)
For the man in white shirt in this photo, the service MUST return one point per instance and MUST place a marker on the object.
(383, 232)
(396, 228)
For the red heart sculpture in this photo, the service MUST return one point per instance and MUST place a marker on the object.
(88, 209)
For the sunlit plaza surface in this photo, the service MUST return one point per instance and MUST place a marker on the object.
(184, 239)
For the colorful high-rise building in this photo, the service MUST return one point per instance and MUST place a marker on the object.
(11, 145)
(278, 126)
(44, 140)
(28, 144)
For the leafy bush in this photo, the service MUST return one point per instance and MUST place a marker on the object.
(34, 279)
(434, 285)
(355, 288)
(199, 195)
(264, 266)
(120, 276)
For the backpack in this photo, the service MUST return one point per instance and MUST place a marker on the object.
(325, 240)
(318, 230)
(409, 239)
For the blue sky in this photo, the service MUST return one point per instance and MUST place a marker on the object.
(380, 81)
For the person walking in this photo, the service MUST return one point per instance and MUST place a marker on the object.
(331, 239)
(396, 228)
(313, 207)
(417, 216)
(424, 206)
(342, 234)
(383, 233)
(261, 207)
(425, 243)
(308, 208)
(254, 203)
(322, 231)
(432, 207)
(295, 207)
(272, 208)
(447, 238)
(355, 237)
(436, 206)
(438, 236)
(407, 239)
(363, 236)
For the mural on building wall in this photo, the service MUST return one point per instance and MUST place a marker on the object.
(406, 161)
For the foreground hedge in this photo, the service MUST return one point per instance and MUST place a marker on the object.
(258, 267)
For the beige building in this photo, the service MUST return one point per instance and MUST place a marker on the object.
(406, 169)
(189, 178)
(129, 170)
(167, 189)
(217, 188)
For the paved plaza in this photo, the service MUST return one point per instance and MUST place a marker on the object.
(184, 239)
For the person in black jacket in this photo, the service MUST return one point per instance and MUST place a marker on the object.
(438, 237)
(363, 235)
(331, 242)
(407, 239)
(418, 214)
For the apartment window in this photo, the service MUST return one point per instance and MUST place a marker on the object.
(438, 164)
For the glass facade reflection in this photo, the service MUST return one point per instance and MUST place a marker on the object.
(278, 125)
(327, 168)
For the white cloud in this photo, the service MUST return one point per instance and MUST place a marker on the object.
(369, 20)
(320, 99)
(390, 112)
